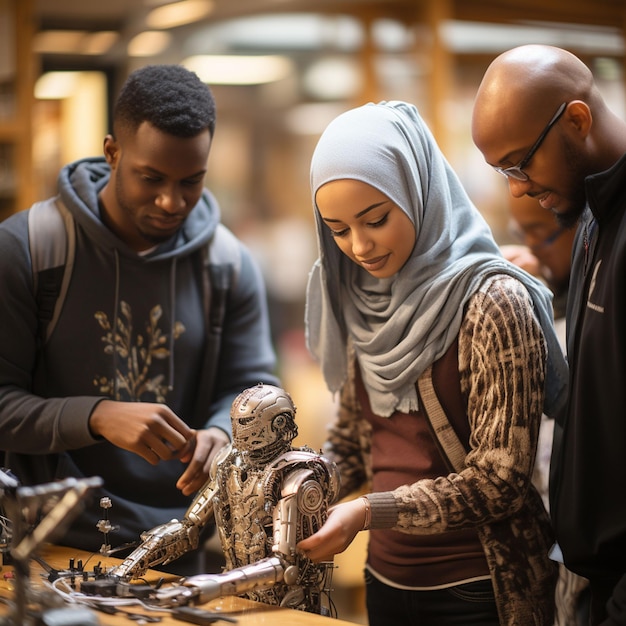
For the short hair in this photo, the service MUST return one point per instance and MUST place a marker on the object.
(170, 97)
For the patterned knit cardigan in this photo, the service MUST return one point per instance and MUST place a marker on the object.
(501, 365)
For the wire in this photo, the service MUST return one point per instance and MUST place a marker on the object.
(76, 597)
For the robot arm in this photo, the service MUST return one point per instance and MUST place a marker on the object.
(167, 542)
(160, 545)
(206, 587)
(299, 512)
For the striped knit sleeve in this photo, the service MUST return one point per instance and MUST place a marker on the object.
(501, 364)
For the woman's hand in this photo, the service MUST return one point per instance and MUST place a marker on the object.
(344, 521)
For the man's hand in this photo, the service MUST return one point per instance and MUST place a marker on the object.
(153, 431)
(199, 456)
(344, 521)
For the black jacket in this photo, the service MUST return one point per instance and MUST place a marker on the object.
(588, 481)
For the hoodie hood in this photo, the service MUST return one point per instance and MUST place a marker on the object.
(80, 183)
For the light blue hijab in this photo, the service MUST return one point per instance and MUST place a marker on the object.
(401, 325)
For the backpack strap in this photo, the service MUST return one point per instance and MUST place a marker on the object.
(450, 424)
(221, 267)
(52, 243)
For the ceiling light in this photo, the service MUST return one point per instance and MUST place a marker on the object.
(179, 13)
(99, 42)
(74, 42)
(58, 41)
(148, 43)
(333, 78)
(56, 85)
(239, 69)
(278, 31)
(473, 37)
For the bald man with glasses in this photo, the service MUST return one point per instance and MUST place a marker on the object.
(540, 120)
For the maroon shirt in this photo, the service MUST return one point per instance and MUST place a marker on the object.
(403, 452)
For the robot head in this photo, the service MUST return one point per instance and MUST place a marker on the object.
(263, 419)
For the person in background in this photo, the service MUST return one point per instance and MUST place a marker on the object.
(135, 383)
(540, 120)
(545, 250)
(411, 295)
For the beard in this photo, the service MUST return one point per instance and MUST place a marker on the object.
(578, 197)
(570, 218)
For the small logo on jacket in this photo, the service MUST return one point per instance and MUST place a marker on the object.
(592, 286)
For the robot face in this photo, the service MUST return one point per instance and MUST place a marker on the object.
(262, 416)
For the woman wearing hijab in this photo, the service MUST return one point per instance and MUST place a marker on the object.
(444, 355)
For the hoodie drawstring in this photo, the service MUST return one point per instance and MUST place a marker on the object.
(116, 305)
(172, 321)
(114, 329)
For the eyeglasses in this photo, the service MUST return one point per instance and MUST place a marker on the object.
(517, 171)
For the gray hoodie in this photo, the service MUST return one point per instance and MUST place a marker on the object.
(132, 329)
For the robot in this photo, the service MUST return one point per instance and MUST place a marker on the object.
(264, 497)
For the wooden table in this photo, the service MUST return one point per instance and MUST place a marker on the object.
(246, 612)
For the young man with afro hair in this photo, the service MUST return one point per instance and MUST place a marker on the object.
(163, 323)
